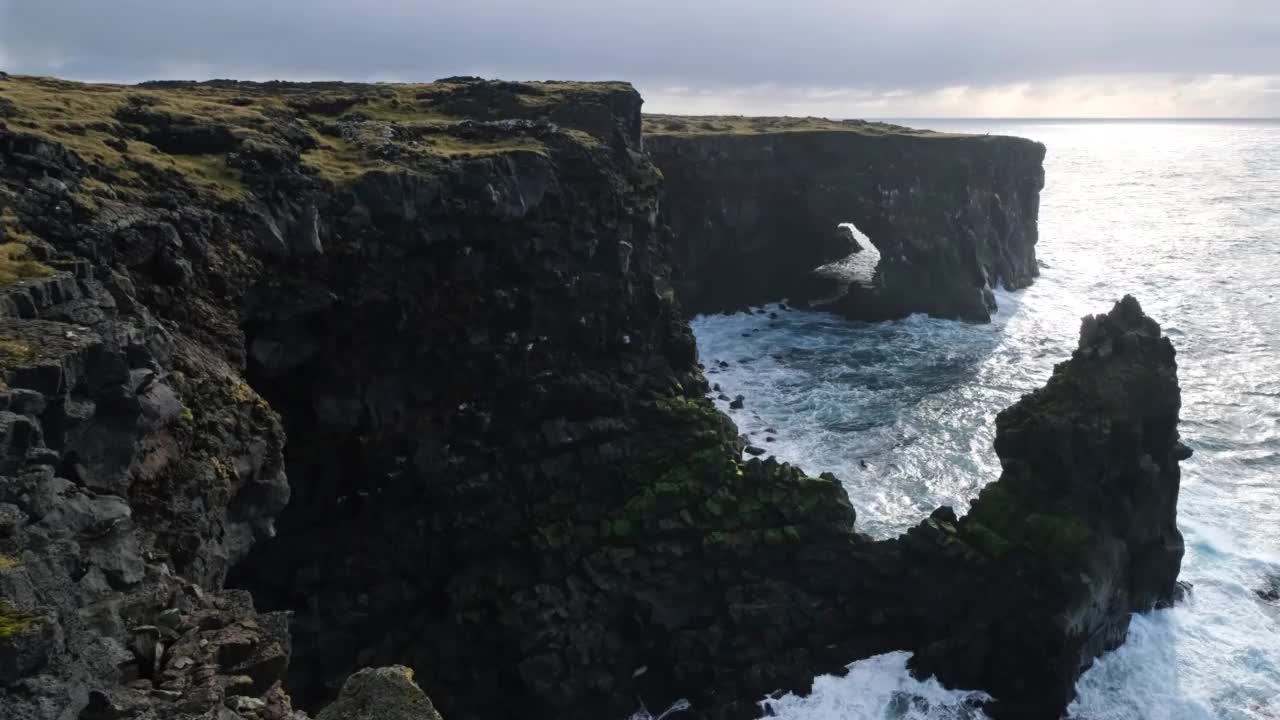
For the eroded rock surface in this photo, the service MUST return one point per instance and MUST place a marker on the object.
(1079, 532)
(502, 468)
(382, 694)
(117, 505)
(753, 206)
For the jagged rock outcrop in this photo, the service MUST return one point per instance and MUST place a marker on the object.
(454, 301)
(130, 455)
(382, 694)
(1079, 532)
(753, 206)
(110, 486)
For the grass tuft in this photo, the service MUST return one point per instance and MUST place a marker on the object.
(704, 125)
(14, 621)
(15, 351)
(16, 263)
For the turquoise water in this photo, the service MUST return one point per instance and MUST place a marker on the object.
(1186, 217)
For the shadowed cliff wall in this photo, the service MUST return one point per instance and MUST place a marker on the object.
(753, 211)
(451, 345)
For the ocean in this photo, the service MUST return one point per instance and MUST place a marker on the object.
(1186, 217)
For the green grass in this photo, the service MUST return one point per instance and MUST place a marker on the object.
(702, 125)
(451, 147)
(421, 122)
(14, 352)
(14, 621)
(17, 264)
(341, 160)
(83, 118)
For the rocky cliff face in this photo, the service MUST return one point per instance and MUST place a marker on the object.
(754, 206)
(444, 313)
(1079, 532)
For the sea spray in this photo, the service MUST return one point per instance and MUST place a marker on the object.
(878, 687)
(903, 412)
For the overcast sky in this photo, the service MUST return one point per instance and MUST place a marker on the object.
(840, 58)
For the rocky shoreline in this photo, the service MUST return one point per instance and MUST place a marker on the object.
(302, 379)
(756, 206)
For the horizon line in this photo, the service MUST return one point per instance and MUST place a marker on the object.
(1000, 118)
(1084, 118)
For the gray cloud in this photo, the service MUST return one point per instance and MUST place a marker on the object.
(707, 45)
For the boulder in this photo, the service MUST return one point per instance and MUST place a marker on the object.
(387, 693)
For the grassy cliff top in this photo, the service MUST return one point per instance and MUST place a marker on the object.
(337, 130)
(701, 125)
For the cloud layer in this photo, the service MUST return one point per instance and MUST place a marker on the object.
(1091, 96)
(907, 57)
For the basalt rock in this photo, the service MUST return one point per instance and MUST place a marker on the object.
(382, 694)
(1019, 595)
(502, 468)
(1079, 532)
(754, 204)
(1270, 589)
(111, 486)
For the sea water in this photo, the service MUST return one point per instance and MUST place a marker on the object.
(1186, 217)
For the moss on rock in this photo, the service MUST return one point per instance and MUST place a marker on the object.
(16, 351)
(701, 125)
(17, 263)
(15, 622)
(210, 135)
(388, 693)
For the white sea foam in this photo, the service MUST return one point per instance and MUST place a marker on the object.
(903, 412)
(857, 268)
(877, 687)
(675, 711)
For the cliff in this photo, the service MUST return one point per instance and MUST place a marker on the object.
(402, 364)
(754, 203)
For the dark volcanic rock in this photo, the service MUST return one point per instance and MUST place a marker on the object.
(1270, 590)
(1079, 532)
(753, 213)
(503, 468)
(845, 236)
(383, 694)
